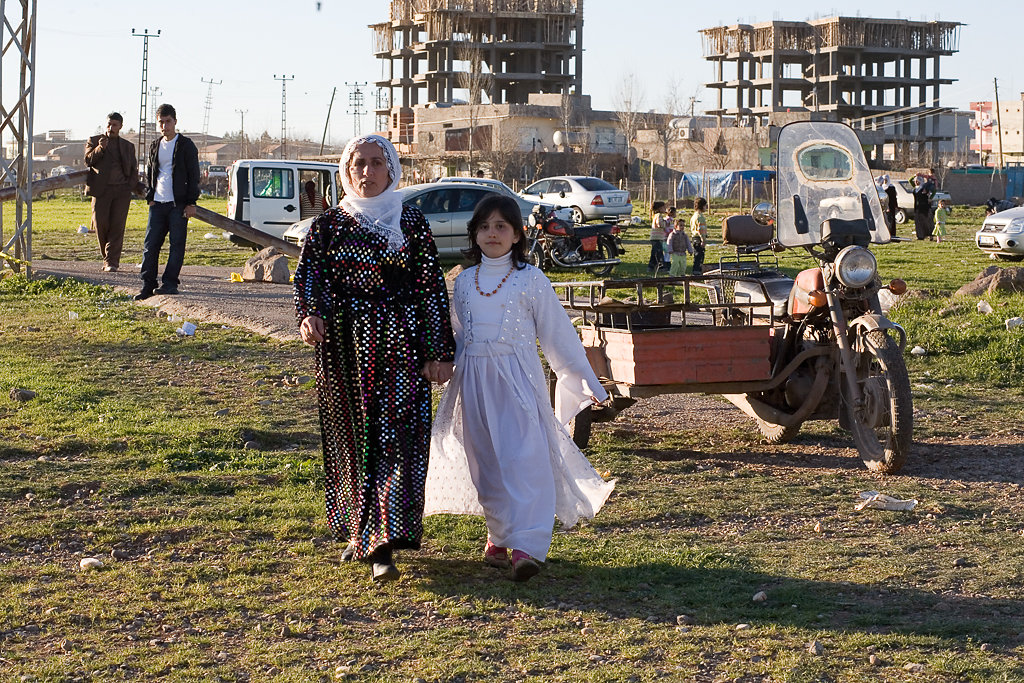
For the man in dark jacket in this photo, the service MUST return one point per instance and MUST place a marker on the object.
(172, 177)
(113, 175)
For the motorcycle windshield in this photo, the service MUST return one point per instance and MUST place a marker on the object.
(822, 174)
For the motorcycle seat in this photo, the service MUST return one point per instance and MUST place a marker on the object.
(777, 284)
(741, 230)
(582, 231)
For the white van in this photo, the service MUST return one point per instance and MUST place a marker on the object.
(264, 193)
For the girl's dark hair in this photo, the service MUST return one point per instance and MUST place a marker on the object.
(700, 203)
(657, 206)
(509, 210)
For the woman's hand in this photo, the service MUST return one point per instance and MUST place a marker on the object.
(438, 371)
(312, 329)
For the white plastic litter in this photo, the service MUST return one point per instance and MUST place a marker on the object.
(211, 236)
(72, 315)
(187, 329)
(984, 308)
(174, 318)
(879, 501)
(918, 351)
(1014, 323)
(82, 230)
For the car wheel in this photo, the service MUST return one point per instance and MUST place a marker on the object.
(1009, 257)
(577, 215)
(901, 216)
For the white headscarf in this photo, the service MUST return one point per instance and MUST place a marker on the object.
(381, 214)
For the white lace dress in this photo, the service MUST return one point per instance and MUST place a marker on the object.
(497, 449)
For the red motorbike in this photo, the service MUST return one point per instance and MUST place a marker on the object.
(555, 241)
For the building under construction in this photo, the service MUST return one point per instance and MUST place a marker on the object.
(474, 51)
(873, 73)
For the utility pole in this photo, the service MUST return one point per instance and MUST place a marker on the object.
(145, 35)
(244, 146)
(355, 103)
(206, 111)
(284, 110)
(154, 92)
(328, 121)
(999, 124)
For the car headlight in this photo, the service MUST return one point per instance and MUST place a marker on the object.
(856, 267)
(1015, 226)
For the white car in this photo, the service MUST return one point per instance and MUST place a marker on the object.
(1002, 235)
(905, 200)
(588, 198)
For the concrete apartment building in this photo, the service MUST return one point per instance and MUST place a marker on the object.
(877, 74)
(998, 135)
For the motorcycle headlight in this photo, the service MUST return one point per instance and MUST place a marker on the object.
(1015, 226)
(856, 267)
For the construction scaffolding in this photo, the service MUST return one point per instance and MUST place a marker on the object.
(475, 51)
(873, 73)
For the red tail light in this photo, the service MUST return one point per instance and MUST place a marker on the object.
(597, 201)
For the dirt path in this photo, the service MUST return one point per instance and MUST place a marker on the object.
(207, 294)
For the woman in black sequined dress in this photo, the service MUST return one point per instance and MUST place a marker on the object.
(371, 298)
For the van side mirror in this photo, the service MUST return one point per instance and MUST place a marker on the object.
(562, 194)
(763, 213)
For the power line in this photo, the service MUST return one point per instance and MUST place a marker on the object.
(206, 111)
(355, 103)
(154, 92)
(284, 110)
(145, 35)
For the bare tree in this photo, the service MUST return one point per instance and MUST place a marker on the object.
(505, 157)
(475, 80)
(671, 106)
(628, 109)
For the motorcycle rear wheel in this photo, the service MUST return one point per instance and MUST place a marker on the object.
(883, 426)
(602, 253)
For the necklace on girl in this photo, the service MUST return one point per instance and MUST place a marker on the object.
(476, 281)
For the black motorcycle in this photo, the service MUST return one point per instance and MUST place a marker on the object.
(555, 241)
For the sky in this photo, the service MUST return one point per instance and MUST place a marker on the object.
(88, 62)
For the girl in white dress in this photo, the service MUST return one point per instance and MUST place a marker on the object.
(497, 449)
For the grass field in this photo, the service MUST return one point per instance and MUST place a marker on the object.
(218, 564)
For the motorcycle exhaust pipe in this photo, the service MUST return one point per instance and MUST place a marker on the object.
(585, 264)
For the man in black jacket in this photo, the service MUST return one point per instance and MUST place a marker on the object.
(172, 177)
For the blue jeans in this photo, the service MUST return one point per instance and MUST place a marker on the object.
(165, 220)
(657, 260)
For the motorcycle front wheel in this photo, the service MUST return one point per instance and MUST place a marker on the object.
(883, 424)
(535, 255)
(602, 253)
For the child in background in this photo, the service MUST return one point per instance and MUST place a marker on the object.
(497, 449)
(941, 215)
(678, 246)
(658, 224)
(699, 234)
